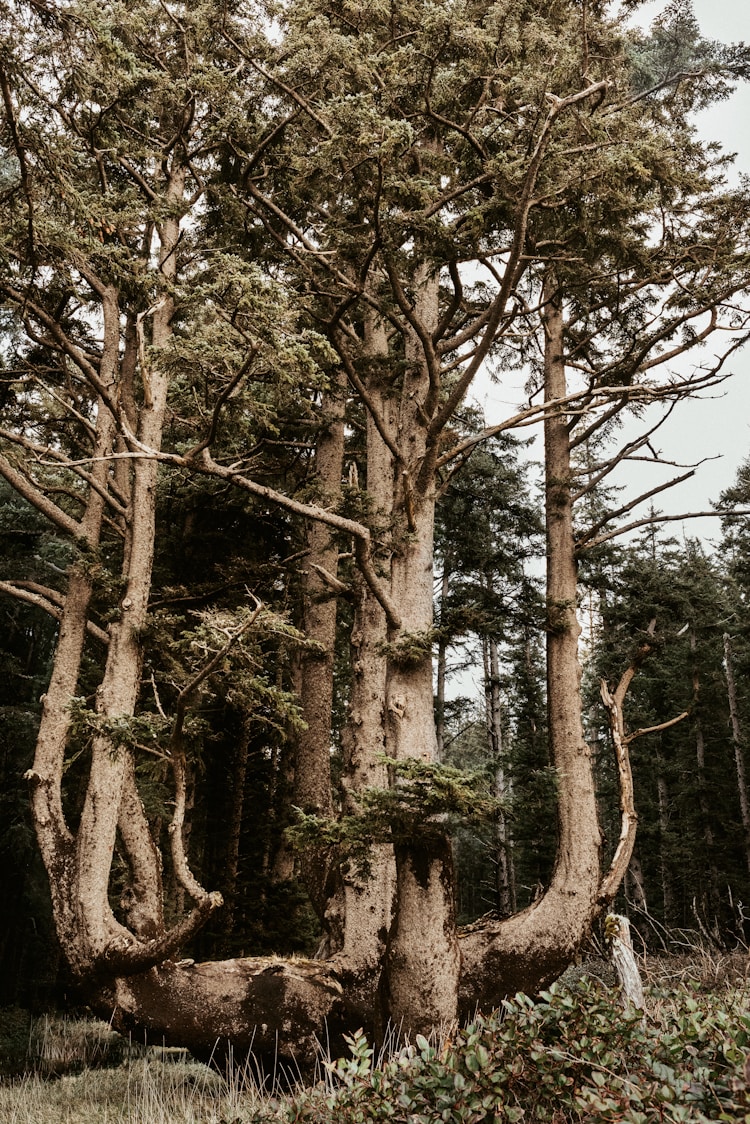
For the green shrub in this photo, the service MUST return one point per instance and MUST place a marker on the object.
(574, 1055)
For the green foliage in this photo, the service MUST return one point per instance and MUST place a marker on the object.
(686, 788)
(425, 798)
(574, 1055)
(410, 649)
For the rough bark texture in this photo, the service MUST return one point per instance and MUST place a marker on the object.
(532, 948)
(286, 1012)
(312, 768)
(422, 943)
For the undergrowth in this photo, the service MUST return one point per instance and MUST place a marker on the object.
(573, 1055)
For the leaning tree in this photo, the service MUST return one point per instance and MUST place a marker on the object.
(359, 207)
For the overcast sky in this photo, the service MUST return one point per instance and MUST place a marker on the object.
(717, 427)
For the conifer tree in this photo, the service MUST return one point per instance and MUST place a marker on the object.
(210, 219)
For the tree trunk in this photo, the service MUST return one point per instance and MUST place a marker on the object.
(284, 1013)
(420, 984)
(442, 664)
(738, 738)
(531, 949)
(360, 912)
(312, 768)
(504, 880)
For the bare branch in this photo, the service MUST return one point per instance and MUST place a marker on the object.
(655, 729)
(591, 533)
(36, 497)
(48, 599)
(654, 519)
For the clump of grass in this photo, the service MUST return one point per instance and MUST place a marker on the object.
(59, 1045)
(77, 1071)
(141, 1091)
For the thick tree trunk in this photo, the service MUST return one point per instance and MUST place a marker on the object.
(360, 912)
(312, 767)
(286, 1013)
(530, 949)
(96, 942)
(422, 966)
(422, 962)
(57, 843)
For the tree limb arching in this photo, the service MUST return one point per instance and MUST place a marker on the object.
(621, 740)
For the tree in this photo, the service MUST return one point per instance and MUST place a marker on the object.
(488, 529)
(691, 857)
(210, 224)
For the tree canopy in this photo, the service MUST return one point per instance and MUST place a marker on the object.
(251, 262)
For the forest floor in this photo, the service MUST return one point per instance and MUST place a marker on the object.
(574, 1055)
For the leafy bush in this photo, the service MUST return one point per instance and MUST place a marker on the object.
(574, 1055)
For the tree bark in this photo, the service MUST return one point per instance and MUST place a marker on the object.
(360, 913)
(738, 739)
(504, 879)
(531, 949)
(312, 767)
(422, 962)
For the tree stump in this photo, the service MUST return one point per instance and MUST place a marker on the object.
(617, 929)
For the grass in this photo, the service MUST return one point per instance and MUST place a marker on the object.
(576, 1044)
(144, 1090)
(79, 1071)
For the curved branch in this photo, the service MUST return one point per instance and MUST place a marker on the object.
(516, 264)
(36, 497)
(50, 600)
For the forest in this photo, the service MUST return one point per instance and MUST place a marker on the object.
(327, 702)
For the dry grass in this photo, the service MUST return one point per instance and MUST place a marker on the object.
(146, 1091)
(81, 1072)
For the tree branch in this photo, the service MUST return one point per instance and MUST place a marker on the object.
(610, 882)
(48, 599)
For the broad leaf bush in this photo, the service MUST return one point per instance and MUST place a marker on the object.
(573, 1055)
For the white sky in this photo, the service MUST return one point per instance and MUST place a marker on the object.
(716, 427)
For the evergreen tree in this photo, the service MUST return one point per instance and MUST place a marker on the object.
(207, 227)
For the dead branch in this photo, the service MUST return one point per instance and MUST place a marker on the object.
(592, 532)
(628, 816)
(653, 519)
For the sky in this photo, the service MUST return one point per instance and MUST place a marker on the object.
(715, 429)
